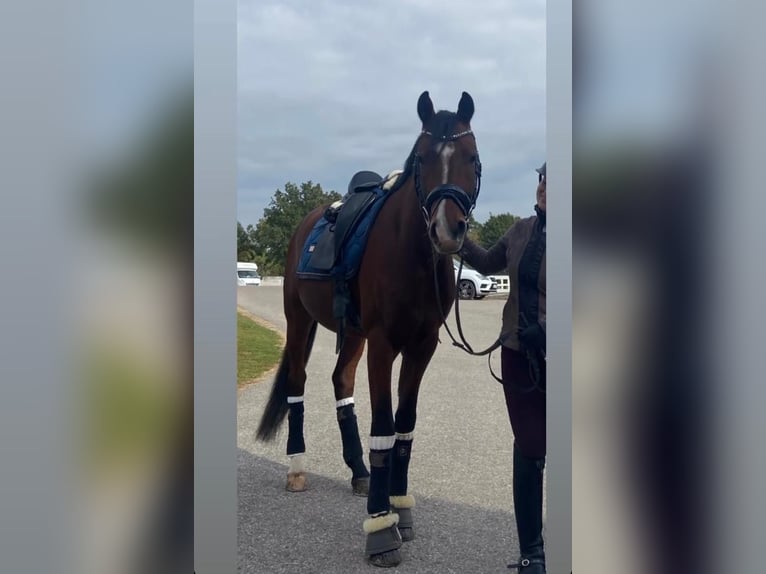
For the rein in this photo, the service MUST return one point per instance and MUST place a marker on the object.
(464, 345)
(534, 368)
(466, 204)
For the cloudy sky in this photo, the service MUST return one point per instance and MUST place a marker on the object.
(329, 87)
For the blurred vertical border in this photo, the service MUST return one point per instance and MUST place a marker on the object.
(559, 143)
(134, 290)
(664, 308)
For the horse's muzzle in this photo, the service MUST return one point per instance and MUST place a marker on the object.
(446, 237)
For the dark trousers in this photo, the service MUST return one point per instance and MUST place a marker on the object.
(526, 404)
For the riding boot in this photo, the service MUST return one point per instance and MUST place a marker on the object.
(528, 506)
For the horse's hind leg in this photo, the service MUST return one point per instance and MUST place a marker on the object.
(414, 363)
(301, 329)
(343, 381)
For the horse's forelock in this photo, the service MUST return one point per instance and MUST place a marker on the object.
(442, 124)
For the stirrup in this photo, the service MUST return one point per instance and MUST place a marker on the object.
(524, 562)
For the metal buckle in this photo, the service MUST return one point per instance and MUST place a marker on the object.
(525, 561)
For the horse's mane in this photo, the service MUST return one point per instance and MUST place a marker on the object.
(440, 126)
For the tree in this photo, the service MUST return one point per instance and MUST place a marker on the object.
(474, 229)
(495, 227)
(246, 245)
(280, 220)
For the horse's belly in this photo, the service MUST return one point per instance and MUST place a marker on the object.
(317, 299)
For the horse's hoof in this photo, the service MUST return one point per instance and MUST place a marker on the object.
(406, 523)
(360, 486)
(383, 545)
(386, 559)
(407, 534)
(296, 482)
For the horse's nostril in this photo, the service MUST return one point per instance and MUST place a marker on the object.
(432, 231)
(462, 226)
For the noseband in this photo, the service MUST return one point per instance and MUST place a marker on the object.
(448, 190)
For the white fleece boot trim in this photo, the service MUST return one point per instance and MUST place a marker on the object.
(297, 463)
(406, 501)
(380, 522)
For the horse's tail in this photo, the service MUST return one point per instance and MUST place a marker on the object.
(277, 407)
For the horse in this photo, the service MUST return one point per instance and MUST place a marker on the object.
(403, 290)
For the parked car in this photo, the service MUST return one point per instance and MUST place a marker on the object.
(472, 284)
(247, 274)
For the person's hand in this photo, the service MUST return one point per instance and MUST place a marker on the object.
(533, 337)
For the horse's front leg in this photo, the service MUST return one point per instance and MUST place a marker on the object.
(383, 538)
(415, 359)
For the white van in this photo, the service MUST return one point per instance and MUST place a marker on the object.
(247, 274)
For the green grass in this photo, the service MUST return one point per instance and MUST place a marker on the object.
(258, 349)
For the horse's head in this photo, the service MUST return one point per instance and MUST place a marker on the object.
(447, 171)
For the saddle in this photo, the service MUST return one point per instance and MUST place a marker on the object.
(343, 216)
(336, 243)
(363, 180)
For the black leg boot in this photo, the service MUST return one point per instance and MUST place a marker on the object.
(528, 506)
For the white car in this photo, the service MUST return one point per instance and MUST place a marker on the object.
(247, 274)
(472, 284)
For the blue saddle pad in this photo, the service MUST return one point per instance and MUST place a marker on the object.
(350, 253)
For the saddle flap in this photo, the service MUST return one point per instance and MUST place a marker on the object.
(323, 251)
(336, 243)
(353, 209)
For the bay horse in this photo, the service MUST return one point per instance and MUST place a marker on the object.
(408, 257)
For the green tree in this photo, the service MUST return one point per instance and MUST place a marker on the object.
(474, 229)
(495, 227)
(245, 244)
(280, 220)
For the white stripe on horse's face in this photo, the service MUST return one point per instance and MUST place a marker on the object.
(442, 225)
(446, 153)
(442, 234)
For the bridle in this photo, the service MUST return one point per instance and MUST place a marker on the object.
(447, 190)
(466, 204)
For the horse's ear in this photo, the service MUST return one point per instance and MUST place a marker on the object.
(425, 108)
(465, 108)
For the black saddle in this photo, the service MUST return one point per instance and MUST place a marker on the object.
(327, 252)
(363, 180)
(344, 218)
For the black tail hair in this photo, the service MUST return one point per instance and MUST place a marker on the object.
(276, 407)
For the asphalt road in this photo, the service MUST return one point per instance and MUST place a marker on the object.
(460, 472)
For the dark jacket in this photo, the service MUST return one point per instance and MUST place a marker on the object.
(521, 254)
